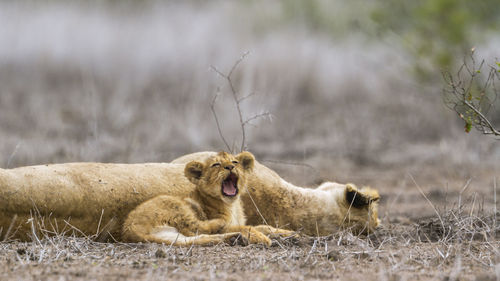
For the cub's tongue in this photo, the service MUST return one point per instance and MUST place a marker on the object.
(228, 187)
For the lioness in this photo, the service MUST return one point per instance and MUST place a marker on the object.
(95, 198)
(131, 202)
(320, 211)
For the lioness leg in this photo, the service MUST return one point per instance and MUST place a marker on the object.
(167, 219)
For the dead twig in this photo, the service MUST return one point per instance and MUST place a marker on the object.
(18, 145)
(212, 107)
(290, 163)
(430, 203)
(237, 102)
(255, 205)
(11, 225)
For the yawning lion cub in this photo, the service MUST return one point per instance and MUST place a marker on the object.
(211, 214)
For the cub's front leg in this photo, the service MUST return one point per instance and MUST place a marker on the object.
(251, 234)
(275, 232)
(261, 234)
(172, 220)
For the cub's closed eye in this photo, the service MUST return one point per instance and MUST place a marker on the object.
(215, 164)
(235, 162)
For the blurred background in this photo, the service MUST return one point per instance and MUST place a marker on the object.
(354, 87)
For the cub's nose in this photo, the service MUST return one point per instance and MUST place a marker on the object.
(229, 167)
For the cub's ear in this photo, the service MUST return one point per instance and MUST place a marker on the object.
(193, 171)
(246, 159)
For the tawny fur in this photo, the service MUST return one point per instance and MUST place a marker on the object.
(319, 211)
(85, 198)
(206, 210)
(94, 199)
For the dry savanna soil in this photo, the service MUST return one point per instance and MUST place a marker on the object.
(441, 235)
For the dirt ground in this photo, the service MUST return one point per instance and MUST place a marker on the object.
(337, 258)
(413, 243)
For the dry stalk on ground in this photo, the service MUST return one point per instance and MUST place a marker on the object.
(466, 246)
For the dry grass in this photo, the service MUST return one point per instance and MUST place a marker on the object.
(467, 249)
(458, 242)
(119, 84)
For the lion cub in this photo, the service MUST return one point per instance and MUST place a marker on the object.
(211, 214)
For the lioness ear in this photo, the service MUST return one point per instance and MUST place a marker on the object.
(360, 198)
(246, 159)
(193, 171)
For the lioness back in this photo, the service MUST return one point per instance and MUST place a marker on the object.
(83, 196)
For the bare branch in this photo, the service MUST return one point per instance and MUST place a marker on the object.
(472, 94)
(237, 63)
(218, 71)
(13, 154)
(246, 97)
(257, 116)
(212, 107)
(290, 163)
(488, 128)
(236, 99)
(237, 102)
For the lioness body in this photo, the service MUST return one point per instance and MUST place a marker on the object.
(89, 197)
(154, 202)
(95, 198)
(319, 211)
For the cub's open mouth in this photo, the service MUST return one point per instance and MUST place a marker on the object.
(229, 186)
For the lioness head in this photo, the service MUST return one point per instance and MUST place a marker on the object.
(221, 176)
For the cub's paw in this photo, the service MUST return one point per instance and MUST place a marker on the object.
(213, 226)
(257, 237)
(276, 232)
(360, 198)
(235, 238)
